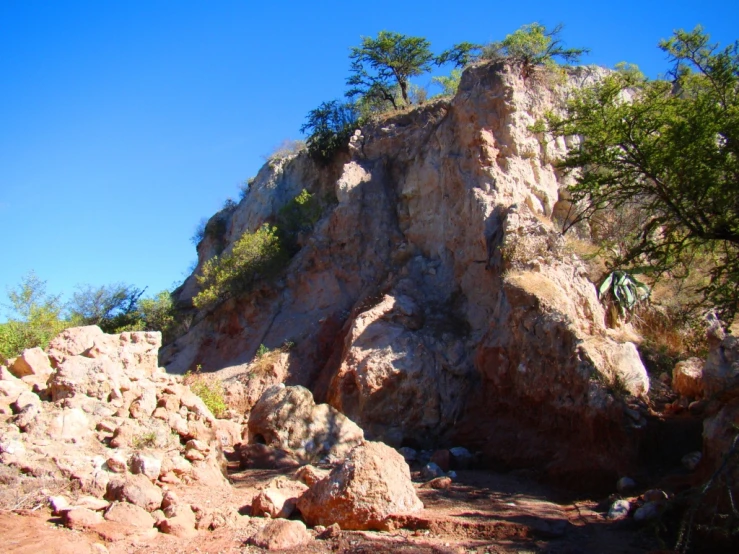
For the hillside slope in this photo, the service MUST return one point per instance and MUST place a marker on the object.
(434, 303)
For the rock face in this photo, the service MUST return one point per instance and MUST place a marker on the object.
(287, 418)
(435, 300)
(372, 483)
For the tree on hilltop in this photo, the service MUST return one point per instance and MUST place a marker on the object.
(670, 149)
(383, 65)
(533, 45)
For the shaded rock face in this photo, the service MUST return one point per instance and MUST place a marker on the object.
(287, 418)
(373, 483)
(435, 302)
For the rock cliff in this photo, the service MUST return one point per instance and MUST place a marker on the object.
(434, 301)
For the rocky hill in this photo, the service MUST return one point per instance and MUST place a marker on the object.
(434, 302)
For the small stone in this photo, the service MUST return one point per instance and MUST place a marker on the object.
(619, 510)
(439, 483)
(431, 471)
(625, 484)
(330, 532)
(91, 503)
(272, 503)
(649, 511)
(691, 461)
(80, 518)
(442, 458)
(409, 454)
(117, 463)
(281, 534)
(461, 457)
(182, 524)
(146, 465)
(310, 475)
(57, 504)
(123, 512)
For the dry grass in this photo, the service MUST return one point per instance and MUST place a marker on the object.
(23, 492)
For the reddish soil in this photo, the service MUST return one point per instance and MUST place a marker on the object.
(482, 512)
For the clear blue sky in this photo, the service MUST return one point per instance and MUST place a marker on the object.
(122, 124)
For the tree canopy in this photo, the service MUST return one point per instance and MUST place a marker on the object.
(388, 61)
(669, 149)
(533, 45)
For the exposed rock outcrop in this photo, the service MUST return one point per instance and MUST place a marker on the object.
(434, 301)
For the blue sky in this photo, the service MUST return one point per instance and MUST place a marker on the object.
(122, 124)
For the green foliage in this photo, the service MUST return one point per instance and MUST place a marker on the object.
(532, 45)
(145, 440)
(388, 60)
(297, 216)
(449, 84)
(209, 389)
(329, 127)
(460, 55)
(159, 314)
(624, 290)
(113, 308)
(34, 317)
(669, 149)
(254, 256)
(262, 351)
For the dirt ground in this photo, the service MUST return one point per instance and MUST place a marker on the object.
(482, 512)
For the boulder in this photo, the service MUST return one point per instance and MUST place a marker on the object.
(372, 483)
(129, 514)
(33, 361)
(80, 518)
(72, 342)
(272, 503)
(619, 510)
(687, 378)
(281, 534)
(180, 521)
(289, 419)
(137, 490)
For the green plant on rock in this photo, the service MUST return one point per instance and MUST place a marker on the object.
(257, 255)
(297, 216)
(329, 128)
(209, 389)
(533, 45)
(450, 83)
(623, 290)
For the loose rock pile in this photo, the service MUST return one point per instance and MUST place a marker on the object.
(96, 421)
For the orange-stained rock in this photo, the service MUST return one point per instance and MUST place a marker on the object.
(281, 534)
(687, 378)
(372, 483)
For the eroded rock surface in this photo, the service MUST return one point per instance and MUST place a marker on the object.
(435, 301)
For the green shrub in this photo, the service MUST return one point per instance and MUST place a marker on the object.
(34, 320)
(329, 128)
(211, 393)
(297, 216)
(254, 256)
(449, 84)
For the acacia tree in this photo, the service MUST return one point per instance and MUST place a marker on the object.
(671, 150)
(533, 45)
(381, 64)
